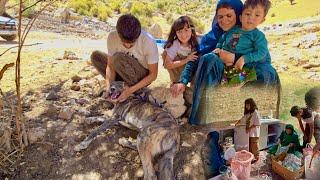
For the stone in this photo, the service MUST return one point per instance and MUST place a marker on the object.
(156, 31)
(311, 65)
(175, 105)
(52, 96)
(91, 120)
(52, 111)
(176, 111)
(139, 173)
(76, 78)
(88, 176)
(36, 134)
(82, 101)
(185, 144)
(69, 55)
(284, 67)
(75, 87)
(66, 113)
(63, 14)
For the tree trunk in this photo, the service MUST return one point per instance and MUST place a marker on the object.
(3, 6)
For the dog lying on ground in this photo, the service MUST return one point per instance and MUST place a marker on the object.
(158, 132)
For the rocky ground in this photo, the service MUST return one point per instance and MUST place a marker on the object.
(56, 104)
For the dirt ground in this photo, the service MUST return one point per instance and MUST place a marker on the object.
(51, 155)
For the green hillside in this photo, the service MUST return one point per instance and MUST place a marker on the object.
(282, 10)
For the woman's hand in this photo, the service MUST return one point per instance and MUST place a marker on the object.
(226, 56)
(177, 89)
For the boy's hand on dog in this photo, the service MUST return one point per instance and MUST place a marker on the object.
(124, 95)
(177, 89)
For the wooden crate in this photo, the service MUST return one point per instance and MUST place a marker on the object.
(284, 172)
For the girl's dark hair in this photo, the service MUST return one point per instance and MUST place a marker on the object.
(178, 25)
(253, 106)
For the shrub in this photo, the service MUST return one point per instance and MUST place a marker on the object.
(104, 13)
(30, 12)
(115, 5)
(145, 21)
(94, 11)
(199, 26)
(142, 9)
(169, 18)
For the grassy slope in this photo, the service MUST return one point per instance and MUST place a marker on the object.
(283, 11)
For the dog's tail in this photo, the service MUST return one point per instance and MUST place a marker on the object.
(103, 127)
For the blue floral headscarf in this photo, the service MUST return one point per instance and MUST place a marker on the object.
(209, 41)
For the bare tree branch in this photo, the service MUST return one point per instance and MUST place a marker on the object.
(4, 68)
(18, 46)
(17, 4)
(31, 5)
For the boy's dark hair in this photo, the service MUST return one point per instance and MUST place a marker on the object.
(306, 112)
(294, 111)
(178, 25)
(253, 106)
(128, 28)
(266, 4)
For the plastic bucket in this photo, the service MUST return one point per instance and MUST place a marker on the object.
(312, 173)
(241, 164)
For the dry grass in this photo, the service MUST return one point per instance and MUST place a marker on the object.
(283, 11)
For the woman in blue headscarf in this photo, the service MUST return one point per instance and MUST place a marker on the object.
(208, 71)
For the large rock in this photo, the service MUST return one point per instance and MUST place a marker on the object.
(52, 96)
(36, 134)
(66, 113)
(175, 105)
(63, 14)
(87, 175)
(156, 31)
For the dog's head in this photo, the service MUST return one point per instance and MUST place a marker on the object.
(116, 89)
